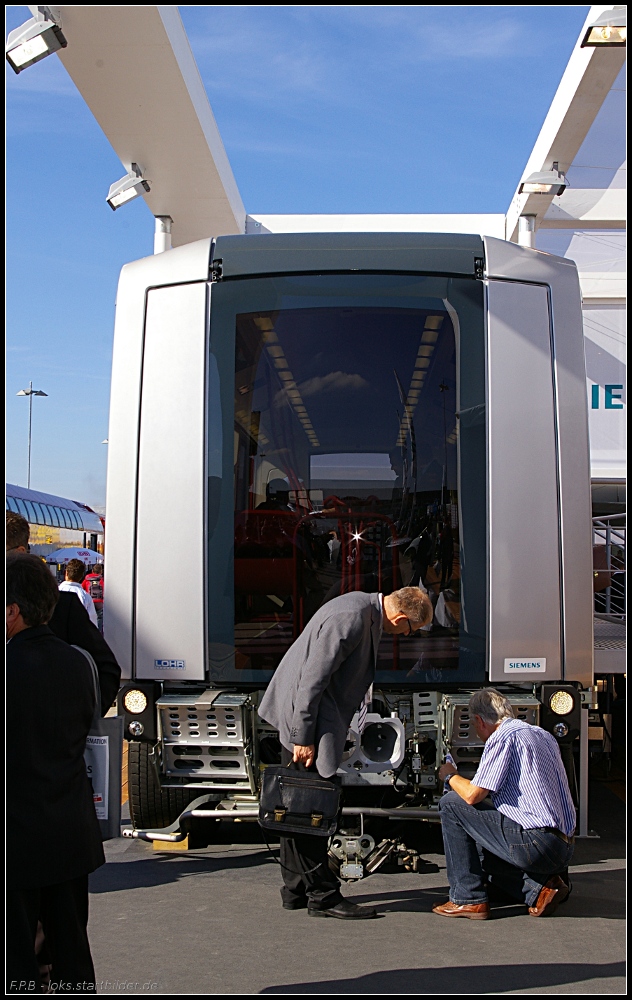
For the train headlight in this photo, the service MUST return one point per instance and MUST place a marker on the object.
(561, 711)
(135, 701)
(562, 703)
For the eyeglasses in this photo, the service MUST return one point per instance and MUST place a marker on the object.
(411, 631)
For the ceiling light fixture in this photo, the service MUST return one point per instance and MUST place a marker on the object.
(129, 187)
(35, 39)
(545, 182)
(608, 29)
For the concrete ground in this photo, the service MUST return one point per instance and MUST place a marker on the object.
(210, 922)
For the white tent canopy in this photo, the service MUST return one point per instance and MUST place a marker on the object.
(63, 556)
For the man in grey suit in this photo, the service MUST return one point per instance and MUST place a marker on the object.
(318, 686)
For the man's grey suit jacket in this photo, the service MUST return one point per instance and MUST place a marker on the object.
(323, 677)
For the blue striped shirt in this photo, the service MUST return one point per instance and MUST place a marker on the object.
(522, 767)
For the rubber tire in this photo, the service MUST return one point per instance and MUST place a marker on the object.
(152, 807)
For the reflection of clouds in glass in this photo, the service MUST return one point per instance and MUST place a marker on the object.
(331, 383)
(290, 388)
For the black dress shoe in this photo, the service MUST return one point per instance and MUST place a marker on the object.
(295, 904)
(345, 910)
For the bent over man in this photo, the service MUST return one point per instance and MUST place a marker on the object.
(523, 838)
(318, 686)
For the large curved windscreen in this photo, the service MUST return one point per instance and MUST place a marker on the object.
(345, 465)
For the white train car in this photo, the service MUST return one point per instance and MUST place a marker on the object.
(297, 416)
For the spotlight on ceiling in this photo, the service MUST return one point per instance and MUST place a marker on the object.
(545, 182)
(129, 187)
(35, 40)
(610, 28)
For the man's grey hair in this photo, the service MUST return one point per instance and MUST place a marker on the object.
(491, 706)
(414, 603)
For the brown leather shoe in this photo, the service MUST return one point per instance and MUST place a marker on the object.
(551, 895)
(473, 911)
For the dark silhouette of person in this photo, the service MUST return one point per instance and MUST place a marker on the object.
(53, 835)
(446, 553)
(277, 496)
(420, 551)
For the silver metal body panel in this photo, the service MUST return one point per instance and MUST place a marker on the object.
(524, 571)
(509, 262)
(188, 263)
(170, 590)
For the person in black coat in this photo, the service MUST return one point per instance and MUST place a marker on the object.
(53, 835)
(70, 620)
(71, 623)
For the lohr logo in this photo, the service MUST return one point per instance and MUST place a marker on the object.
(168, 664)
(534, 665)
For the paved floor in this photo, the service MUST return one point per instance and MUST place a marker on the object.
(210, 922)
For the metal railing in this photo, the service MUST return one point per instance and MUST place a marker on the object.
(609, 565)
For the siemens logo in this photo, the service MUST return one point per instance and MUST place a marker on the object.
(168, 664)
(520, 666)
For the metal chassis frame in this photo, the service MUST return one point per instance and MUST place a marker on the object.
(173, 834)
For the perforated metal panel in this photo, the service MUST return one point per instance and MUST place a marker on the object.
(460, 735)
(426, 707)
(202, 739)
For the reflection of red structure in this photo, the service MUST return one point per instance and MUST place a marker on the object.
(353, 531)
(279, 553)
(265, 552)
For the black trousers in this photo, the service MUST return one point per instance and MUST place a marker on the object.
(63, 910)
(301, 854)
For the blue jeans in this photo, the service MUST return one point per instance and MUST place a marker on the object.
(481, 845)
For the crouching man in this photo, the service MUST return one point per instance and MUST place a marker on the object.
(522, 839)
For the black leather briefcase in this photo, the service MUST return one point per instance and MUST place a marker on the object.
(298, 802)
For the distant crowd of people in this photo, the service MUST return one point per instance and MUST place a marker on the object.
(78, 581)
(53, 835)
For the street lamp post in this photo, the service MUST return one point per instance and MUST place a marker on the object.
(30, 392)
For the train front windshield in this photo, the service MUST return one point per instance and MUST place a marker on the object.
(335, 465)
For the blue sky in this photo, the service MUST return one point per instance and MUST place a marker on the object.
(322, 109)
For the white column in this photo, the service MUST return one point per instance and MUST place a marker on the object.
(526, 231)
(162, 233)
